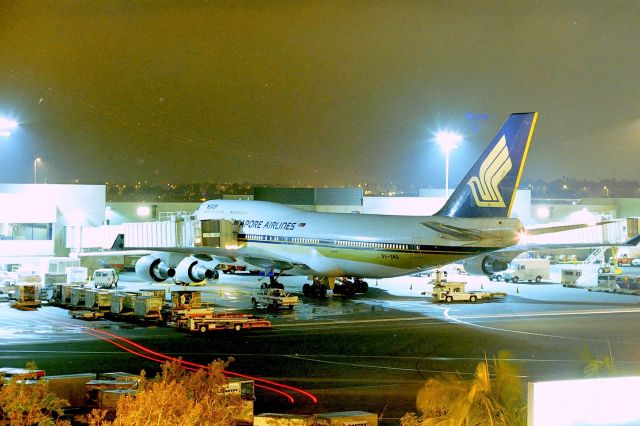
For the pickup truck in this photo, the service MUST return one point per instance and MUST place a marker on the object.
(273, 298)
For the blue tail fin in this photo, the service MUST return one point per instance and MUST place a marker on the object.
(489, 187)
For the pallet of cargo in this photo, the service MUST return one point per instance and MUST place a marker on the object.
(204, 320)
(86, 315)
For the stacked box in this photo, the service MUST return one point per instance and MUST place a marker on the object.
(186, 299)
(27, 292)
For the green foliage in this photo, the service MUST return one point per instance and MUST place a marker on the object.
(176, 397)
(490, 398)
(26, 400)
(598, 367)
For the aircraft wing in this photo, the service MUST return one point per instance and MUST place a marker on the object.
(499, 259)
(548, 246)
(560, 228)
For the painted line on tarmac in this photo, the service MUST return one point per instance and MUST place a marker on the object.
(371, 321)
(374, 367)
(529, 333)
(548, 314)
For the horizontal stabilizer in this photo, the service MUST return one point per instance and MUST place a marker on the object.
(454, 232)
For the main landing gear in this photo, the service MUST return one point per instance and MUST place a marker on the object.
(347, 287)
(343, 286)
(273, 283)
(316, 290)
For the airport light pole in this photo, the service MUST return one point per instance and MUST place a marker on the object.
(35, 169)
(448, 141)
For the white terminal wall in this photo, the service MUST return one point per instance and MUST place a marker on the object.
(58, 205)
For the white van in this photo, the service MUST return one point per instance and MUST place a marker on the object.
(527, 270)
(105, 278)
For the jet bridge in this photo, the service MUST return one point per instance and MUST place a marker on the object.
(215, 233)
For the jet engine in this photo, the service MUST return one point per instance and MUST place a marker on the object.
(191, 269)
(153, 267)
(485, 265)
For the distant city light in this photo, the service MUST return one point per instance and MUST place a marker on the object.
(7, 126)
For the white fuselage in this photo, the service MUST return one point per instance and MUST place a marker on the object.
(358, 245)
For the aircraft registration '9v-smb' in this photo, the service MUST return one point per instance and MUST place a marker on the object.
(475, 220)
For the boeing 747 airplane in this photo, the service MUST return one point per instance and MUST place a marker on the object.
(349, 247)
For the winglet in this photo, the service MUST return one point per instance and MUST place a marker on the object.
(489, 188)
(118, 243)
(632, 241)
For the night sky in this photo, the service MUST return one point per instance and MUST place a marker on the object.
(313, 92)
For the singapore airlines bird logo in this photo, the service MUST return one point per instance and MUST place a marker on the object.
(492, 170)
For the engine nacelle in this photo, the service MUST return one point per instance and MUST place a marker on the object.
(194, 270)
(153, 267)
(485, 265)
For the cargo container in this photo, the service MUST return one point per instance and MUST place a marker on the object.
(123, 303)
(62, 293)
(186, 299)
(77, 297)
(98, 300)
(347, 418)
(93, 388)
(272, 419)
(148, 308)
(26, 297)
(108, 398)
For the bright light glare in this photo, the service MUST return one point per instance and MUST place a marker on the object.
(543, 212)
(609, 401)
(7, 125)
(448, 140)
(143, 211)
(522, 236)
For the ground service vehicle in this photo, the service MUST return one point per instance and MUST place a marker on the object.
(203, 320)
(274, 298)
(570, 277)
(527, 270)
(105, 278)
(455, 292)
